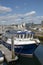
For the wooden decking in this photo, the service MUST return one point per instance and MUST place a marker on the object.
(7, 53)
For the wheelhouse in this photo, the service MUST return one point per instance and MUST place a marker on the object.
(24, 34)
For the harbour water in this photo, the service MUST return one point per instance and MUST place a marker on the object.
(25, 61)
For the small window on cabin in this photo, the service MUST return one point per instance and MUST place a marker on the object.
(31, 35)
(17, 36)
(25, 36)
(28, 35)
(21, 36)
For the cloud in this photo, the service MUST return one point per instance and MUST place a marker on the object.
(9, 19)
(30, 13)
(40, 17)
(4, 9)
(19, 18)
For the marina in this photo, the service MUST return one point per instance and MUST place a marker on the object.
(21, 32)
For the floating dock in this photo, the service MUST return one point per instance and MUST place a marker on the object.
(39, 53)
(7, 54)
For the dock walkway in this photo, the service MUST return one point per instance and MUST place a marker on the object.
(7, 53)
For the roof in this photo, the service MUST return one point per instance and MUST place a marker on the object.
(19, 32)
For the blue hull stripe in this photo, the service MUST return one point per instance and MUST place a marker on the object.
(25, 49)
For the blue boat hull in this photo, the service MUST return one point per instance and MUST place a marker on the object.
(26, 49)
(22, 49)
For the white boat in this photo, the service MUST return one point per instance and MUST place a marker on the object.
(24, 43)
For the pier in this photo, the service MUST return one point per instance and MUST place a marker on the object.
(7, 54)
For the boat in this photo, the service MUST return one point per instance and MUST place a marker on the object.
(24, 42)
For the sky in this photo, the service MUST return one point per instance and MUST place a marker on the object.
(19, 11)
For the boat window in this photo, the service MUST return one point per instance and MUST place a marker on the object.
(25, 36)
(21, 36)
(31, 35)
(17, 36)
